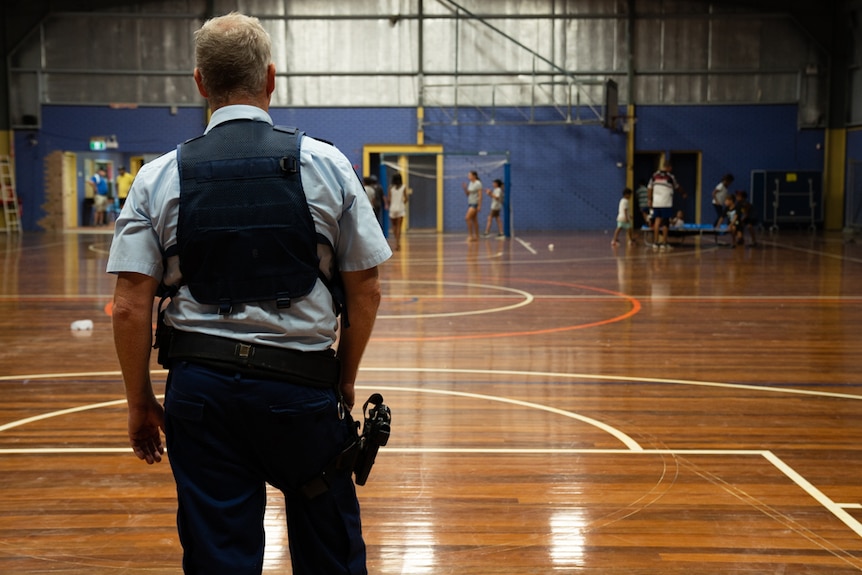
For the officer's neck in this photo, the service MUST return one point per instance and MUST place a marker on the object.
(258, 102)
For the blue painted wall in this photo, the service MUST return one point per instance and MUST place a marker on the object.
(734, 139)
(564, 177)
(351, 128)
(69, 128)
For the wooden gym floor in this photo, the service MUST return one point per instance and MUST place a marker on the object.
(558, 406)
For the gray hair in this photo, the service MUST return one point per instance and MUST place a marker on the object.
(232, 54)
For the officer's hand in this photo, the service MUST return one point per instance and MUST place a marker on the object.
(348, 395)
(144, 431)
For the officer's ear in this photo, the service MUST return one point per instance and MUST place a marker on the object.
(199, 80)
(270, 79)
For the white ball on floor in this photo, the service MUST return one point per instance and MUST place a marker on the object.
(82, 325)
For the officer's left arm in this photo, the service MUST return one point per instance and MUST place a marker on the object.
(362, 298)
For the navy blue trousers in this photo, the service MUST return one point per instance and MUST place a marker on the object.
(227, 436)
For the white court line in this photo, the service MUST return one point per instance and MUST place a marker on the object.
(61, 412)
(748, 387)
(633, 447)
(63, 450)
(805, 298)
(614, 432)
(526, 245)
(818, 495)
(527, 300)
(51, 296)
(622, 437)
(623, 378)
(820, 253)
(836, 509)
(442, 450)
(571, 451)
(719, 298)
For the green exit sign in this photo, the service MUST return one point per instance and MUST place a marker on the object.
(98, 145)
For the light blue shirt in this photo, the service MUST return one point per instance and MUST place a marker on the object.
(147, 226)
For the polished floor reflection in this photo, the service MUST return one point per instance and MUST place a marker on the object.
(559, 405)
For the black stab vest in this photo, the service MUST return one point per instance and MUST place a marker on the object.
(245, 232)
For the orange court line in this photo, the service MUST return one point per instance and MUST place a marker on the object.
(635, 308)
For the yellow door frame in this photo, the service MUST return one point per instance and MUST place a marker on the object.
(402, 151)
(70, 190)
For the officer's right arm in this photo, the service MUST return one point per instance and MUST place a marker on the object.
(132, 318)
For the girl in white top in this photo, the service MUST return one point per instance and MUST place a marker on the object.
(496, 195)
(397, 201)
(473, 190)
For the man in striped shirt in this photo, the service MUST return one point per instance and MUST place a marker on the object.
(661, 189)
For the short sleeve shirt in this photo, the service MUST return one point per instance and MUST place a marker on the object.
(147, 226)
(663, 185)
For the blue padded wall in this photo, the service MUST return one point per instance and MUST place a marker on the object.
(563, 177)
(351, 128)
(156, 130)
(69, 128)
(735, 139)
(145, 130)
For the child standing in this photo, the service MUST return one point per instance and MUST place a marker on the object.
(397, 205)
(496, 195)
(746, 219)
(624, 218)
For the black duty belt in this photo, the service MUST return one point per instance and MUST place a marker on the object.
(313, 368)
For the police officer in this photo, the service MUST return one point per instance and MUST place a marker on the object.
(252, 238)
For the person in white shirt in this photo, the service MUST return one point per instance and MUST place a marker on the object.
(719, 194)
(661, 189)
(624, 218)
(397, 201)
(473, 191)
(496, 195)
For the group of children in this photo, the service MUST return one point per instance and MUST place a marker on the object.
(738, 215)
(473, 190)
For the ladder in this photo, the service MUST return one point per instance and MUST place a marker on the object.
(11, 210)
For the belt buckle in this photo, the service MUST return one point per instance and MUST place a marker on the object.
(244, 350)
